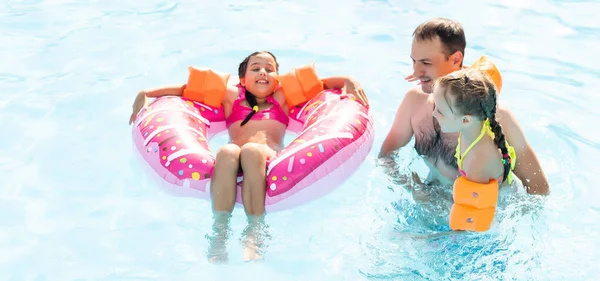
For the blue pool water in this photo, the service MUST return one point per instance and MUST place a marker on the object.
(76, 205)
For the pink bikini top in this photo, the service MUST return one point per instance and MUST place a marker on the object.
(239, 112)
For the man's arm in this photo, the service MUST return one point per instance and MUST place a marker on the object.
(527, 168)
(399, 135)
(401, 131)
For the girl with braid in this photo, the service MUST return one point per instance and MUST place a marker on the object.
(465, 102)
(256, 118)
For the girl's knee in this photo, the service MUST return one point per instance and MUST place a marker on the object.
(228, 157)
(252, 154)
(228, 151)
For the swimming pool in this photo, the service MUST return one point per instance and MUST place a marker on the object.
(76, 205)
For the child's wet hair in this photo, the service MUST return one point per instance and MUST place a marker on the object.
(472, 92)
(250, 98)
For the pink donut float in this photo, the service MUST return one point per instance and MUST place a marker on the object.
(334, 136)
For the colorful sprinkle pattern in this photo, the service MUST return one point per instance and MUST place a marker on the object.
(172, 134)
(330, 124)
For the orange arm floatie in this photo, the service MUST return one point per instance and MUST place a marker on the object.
(488, 67)
(206, 86)
(300, 85)
(474, 205)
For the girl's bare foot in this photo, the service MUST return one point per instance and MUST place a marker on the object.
(254, 237)
(217, 242)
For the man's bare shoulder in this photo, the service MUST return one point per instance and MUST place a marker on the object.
(504, 116)
(416, 93)
(415, 96)
(501, 108)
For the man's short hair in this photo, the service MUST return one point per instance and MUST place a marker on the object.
(450, 33)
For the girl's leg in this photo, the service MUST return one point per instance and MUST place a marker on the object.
(223, 187)
(223, 184)
(253, 157)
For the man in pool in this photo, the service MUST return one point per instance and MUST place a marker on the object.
(438, 49)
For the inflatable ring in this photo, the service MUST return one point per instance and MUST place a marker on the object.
(334, 136)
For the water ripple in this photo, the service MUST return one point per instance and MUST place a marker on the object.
(75, 204)
(161, 9)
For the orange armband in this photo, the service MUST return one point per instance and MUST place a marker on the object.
(300, 85)
(474, 205)
(206, 86)
(488, 67)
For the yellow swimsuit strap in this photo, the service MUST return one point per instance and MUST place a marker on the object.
(513, 160)
(460, 157)
(485, 128)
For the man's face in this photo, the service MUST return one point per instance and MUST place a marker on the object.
(430, 62)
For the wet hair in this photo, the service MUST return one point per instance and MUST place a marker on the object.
(250, 98)
(473, 93)
(450, 33)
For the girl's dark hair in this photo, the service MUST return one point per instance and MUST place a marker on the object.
(250, 98)
(474, 93)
